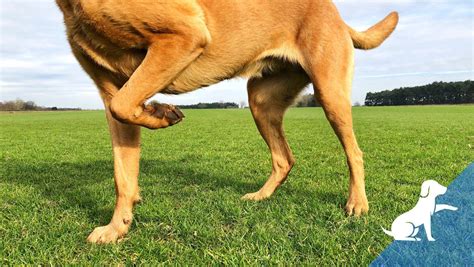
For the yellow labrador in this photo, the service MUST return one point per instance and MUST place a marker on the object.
(136, 49)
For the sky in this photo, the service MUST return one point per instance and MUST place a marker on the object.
(433, 42)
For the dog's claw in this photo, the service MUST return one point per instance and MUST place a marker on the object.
(179, 113)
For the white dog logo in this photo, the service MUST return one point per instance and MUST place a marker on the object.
(406, 226)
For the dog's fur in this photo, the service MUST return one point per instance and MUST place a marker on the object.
(136, 49)
(406, 226)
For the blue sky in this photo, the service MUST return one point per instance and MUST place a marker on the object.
(434, 42)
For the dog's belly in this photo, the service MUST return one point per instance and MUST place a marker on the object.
(202, 73)
(210, 68)
(206, 72)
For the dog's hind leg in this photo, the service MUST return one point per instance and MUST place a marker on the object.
(269, 98)
(415, 232)
(329, 64)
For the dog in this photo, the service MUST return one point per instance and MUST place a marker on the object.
(133, 50)
(406, 226)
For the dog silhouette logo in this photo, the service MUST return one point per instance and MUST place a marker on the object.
(406, 226)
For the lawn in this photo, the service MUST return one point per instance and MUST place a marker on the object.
(56, 185)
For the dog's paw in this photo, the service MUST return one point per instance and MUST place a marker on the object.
(105, 235)
(356, 206)
(257, 196)
(168, 113)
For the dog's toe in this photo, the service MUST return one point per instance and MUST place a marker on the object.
(171, 114)
(357, 207)
(105, 235)
(257, 196)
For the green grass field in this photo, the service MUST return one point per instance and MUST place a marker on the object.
(56, 185)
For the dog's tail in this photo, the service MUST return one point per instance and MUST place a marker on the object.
(376, 35)
(387, 232)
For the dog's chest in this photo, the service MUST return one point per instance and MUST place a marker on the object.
(112, 43)
(106, 53)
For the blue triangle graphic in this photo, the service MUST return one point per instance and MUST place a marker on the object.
(453, 231)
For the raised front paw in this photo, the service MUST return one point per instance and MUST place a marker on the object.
(106, 235)
(171, 114)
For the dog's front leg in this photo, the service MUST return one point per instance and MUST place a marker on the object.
(126, 150)
(167, 56)
(441, 207)
(428, 229)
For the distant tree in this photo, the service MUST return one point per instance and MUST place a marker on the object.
(153, 102)
(29, 105)
(243, 104)
(357, 104)
(308, 100)
(15, 105)
(435, 93)
(19, 104)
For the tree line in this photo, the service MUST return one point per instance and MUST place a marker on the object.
(432, 94)
(20, 105)
(215, 105)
